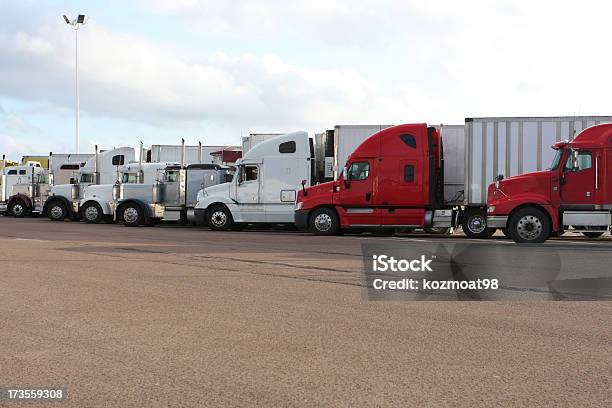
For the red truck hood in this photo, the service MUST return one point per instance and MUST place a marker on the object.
(316, 194)
(537, 183)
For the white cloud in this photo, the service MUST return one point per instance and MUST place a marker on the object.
(398, 61)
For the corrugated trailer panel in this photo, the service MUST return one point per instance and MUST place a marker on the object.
(453, 143)
(512, 146)
(172, 153)
(346, 140)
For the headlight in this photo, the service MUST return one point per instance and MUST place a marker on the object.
(491, 209)
(298, 205)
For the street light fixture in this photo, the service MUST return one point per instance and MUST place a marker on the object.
(75, 24)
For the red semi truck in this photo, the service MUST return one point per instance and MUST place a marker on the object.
(393, 180)
(575, 193)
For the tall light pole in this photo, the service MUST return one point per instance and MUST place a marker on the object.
(75, 24)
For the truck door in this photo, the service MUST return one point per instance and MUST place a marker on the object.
(401, 199)
(356, 194)
(578, 186)
(247, 188)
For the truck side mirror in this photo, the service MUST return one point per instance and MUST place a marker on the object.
(304, 188)
(72, 180)
(347, 183)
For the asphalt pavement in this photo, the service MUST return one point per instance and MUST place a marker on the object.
(187, 317)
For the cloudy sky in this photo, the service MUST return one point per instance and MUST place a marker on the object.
(160, 70)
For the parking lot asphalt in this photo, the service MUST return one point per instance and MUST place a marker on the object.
(173, 316)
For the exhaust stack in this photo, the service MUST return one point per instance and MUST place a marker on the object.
(50, 168)
(96, 175)
(140, 176)
(200, 152)
(3, 180)
(182, 153)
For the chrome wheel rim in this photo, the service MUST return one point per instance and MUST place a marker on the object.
(130, 215)
(477, 224)
(56, 211)
(323, 222)
(529, 227)
(218, 219)
(91, 213)
(18, 210)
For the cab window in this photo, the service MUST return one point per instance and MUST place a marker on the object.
(12, 172)
(251, 173)
(172, 176)
(128, 178)
(86, 178)
(22, 172)
(358, 171)
(578, 161)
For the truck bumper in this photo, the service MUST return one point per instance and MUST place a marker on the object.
(301, 219)
(497, 221)
(199, 215)
(2, 207)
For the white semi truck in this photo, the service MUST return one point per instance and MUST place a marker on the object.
(23, 189)
(172, 197)
(265, 187)
(99, 201)
(64, 200)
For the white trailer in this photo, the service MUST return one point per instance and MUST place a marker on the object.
(104, 168)
(199, 154)
(265, 186)
(253, 139)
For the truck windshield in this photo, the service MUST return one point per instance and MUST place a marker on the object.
(86, 178)
(557, 160)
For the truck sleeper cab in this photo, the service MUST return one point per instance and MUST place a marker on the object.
(575, 193)
(265, 186)
(394, 179)
(171, 197)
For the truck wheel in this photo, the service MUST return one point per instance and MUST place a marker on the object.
(131, 215)
(18, 208)
(324, 221)
(474, 224)
(529, 225)
(57, 211)
(592, 234)
(92, 213)
(219, 219)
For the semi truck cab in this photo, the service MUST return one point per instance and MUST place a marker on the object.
(265, 187)
(575, 193)
(394, 179)
(65, 199)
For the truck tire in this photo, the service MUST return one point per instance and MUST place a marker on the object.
(324, 221)
(131, 215)
(18, 208)
(529, 225)
(92, 213)
(219, 218)
(57, 211)
(474, 224)
(592, 234)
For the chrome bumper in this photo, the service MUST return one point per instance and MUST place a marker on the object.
(497, 221)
